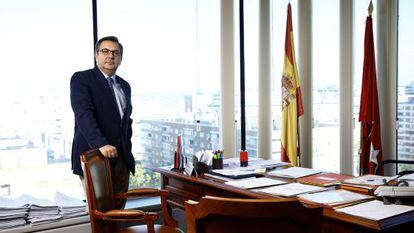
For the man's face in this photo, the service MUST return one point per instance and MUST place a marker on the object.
(108, 57)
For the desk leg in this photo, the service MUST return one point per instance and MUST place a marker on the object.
(164, 183)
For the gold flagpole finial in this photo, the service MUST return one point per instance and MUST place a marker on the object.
(370, 8)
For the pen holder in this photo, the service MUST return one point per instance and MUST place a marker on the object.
(202, 168)
(218, 163)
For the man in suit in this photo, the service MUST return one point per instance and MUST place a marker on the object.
(101, 102)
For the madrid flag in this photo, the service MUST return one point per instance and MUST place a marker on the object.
(292, 107)
(369, 110)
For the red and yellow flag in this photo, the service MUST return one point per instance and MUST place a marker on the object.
(292, 107)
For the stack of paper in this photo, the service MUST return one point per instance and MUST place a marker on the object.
(41, 210)
(334, 198)
(376, 210)
(364, 184)
(69, 206)
(323, 179)
(235, 162)
(13, 212)
(394, 191)
(236, 172)
(268, 164)
(294, 172)
(368, 180)
(254, 163)
(254, 183)
(291, 189)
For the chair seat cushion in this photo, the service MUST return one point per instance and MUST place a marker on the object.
(158, 229)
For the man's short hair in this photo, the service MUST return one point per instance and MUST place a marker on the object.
(110, 38)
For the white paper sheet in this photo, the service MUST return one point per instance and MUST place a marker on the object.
(409, 177)
(234, 172)
(64, 200)
(291, 189)
(255, 183)
(375, 210)
(370, 180)
(294, 172)
(334, 196)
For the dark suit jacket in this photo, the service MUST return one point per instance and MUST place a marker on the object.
(97, 118)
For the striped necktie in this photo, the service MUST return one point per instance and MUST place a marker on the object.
(118, 94)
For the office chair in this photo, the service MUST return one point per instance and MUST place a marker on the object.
(99, 192)
(396, 162)
(227, 215)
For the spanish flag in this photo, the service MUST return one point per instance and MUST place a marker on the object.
(292, 107)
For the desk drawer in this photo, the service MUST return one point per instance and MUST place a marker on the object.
(180, 191)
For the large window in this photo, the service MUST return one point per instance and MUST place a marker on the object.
(325, 85)
(43, 43)
(171, 60)
(405, 107)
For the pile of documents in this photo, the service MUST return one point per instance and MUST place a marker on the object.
(25, 209)
(334, 198)
(291, 189)
(256, 167)
(250, 183)
(324, 179)
(376, 210)
(254, 163)
(294, 172)
(365, 184)
(13, 212)
(368, 180)
(41, 210)
(70, 207)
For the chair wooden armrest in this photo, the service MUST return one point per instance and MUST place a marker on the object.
(152, 192)
(139, 192)
(126, 215)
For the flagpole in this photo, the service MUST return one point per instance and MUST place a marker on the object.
(298, 163)
(95, 27)
(361, 140)
(242, 87)
(370, 8)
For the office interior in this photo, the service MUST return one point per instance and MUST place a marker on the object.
(182, 59)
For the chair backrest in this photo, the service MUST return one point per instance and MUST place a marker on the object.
(219, 215)
(98, 187)
(396, 162)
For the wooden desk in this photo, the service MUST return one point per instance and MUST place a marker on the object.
(183, 187)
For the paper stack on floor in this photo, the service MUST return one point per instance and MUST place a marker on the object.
(13, 212)
(41, 210)
(70, 207)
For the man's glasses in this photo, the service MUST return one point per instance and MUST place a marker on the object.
(106, 52)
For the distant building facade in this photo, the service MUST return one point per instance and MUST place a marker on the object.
(159, 140)
(405, 142)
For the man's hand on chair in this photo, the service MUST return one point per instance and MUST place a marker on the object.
(108, 151)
